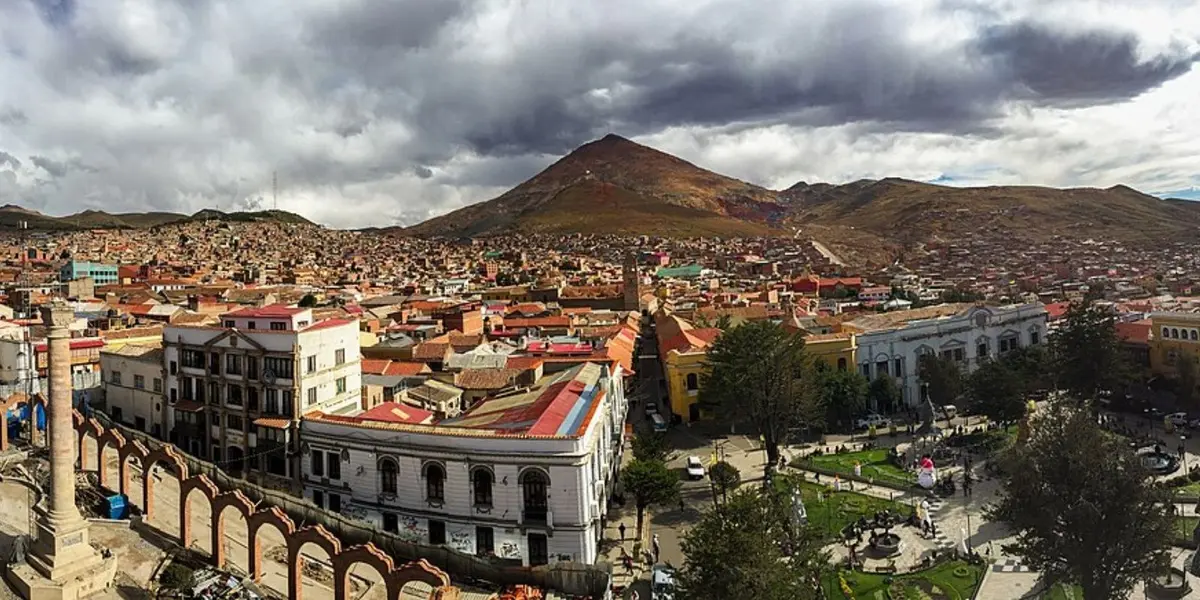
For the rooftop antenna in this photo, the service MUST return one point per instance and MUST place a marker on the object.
(275, 189)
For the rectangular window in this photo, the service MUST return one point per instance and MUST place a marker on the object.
(485, 541)
(339, 356)
(285, 402)
(271, 401)
(173, 368)
(341, 385)
(234, 422)
(960, 354)
(251, 325)
(437, 532)
(251, 367)
(158, 384)
(318, 463)
(334, 464)
(115, 377)
(312, 396)
(310, 364)
(234, 395)
(898, 367)
(391, 523)
(139, 382)
(252, 398)
(214, 363)
(881, 368)
(278, 326)
(233, 364)
(319, 498)
(230, 324)
(279, 367)
(866, 369)
(193, 359)
(335, 503)
(1033, 338)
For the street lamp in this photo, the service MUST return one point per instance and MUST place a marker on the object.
(1183, 451)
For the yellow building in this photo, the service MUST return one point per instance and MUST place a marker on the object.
(683, 351)
(1174, 336)
(838, 350)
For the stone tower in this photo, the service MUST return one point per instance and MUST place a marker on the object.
(61, 563)
(633, 283)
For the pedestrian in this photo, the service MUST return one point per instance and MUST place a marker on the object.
(654, 544)
(621, 528)
(682, 506)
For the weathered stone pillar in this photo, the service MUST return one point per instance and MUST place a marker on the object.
(62, 562)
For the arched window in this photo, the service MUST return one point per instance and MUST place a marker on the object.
(1174, 333)
(535, 485)
(693, 382)
(388, 470)
(481, 486)
(1166, 332)
(1193, 334)
(841, 364)
(435, 482)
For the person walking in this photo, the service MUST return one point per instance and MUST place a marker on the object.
(621, 528)
(654, 544)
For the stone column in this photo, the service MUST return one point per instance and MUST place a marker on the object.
(63, 512)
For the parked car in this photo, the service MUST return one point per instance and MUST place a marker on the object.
(879, 421)
(1179, 419)
(949, 411)
(695, 468)
(662, 583)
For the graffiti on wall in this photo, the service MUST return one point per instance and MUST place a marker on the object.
(460, 539)
(510, 550)
(411, 530)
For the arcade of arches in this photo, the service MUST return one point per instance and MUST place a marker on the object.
(180, 505)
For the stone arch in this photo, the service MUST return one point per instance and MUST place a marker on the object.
(273, 516)
(420, 570)
(369, 554)
(317, 535)
(207, 489)
(114, 438)
(165, 455)
(240, 503)
(134, 449)
(84, 427)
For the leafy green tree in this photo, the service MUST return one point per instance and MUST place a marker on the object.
(1083, 507)
(760, 373)
(1031, 364)
(995, 389)
(725, 478)
(942, 377)
(884, 393)
(651, 447)
(844, 394)
(651, 482)
(308, 301)
(1087, 352)
(749, 548)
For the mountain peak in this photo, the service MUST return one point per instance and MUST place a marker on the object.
(19, 208)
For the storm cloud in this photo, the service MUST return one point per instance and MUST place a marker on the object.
(411, 108)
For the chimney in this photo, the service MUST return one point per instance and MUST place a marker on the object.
(193, 303)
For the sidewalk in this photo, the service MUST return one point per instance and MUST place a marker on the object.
(612, 544)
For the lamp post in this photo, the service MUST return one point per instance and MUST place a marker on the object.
(1183, 451)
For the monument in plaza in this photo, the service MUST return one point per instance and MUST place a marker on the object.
(61, 562)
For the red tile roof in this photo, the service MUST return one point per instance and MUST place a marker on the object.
(328, 323)
(1137, 332)
(1057, 309)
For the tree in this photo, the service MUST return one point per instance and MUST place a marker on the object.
(651, 447)
(884, 393)
(844, 394)
(1185, 379)
(725, 478)
(759, 372)
(748, 548)
(1083, 507)
(1030, 365)
(942, 377)
(650, 482)
(1087, 352)
(308, 301)
(995, 390)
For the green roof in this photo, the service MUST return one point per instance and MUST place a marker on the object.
(685, 272)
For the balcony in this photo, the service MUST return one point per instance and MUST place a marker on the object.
(537, 515)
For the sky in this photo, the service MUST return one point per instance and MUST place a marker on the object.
(382, 112)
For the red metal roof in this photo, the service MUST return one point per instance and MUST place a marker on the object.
(76, 344)
(327, 323)
(396, 412)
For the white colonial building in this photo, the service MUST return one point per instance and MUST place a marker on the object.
(523, 476)
(236, 392)
(892, 343)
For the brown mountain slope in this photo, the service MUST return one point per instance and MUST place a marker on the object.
(889, 207)
(13, 216)
(613, 184)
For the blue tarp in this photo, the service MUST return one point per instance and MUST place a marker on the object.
(19, 415)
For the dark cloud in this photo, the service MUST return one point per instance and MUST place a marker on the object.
(1097, 66)
(6, 158)
(423, 172)
(51, 166)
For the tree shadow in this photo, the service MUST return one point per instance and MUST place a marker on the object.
(990, 531)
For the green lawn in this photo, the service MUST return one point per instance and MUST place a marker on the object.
(1061, 592)
(838, 509)
(955, 580)
(874, 463)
